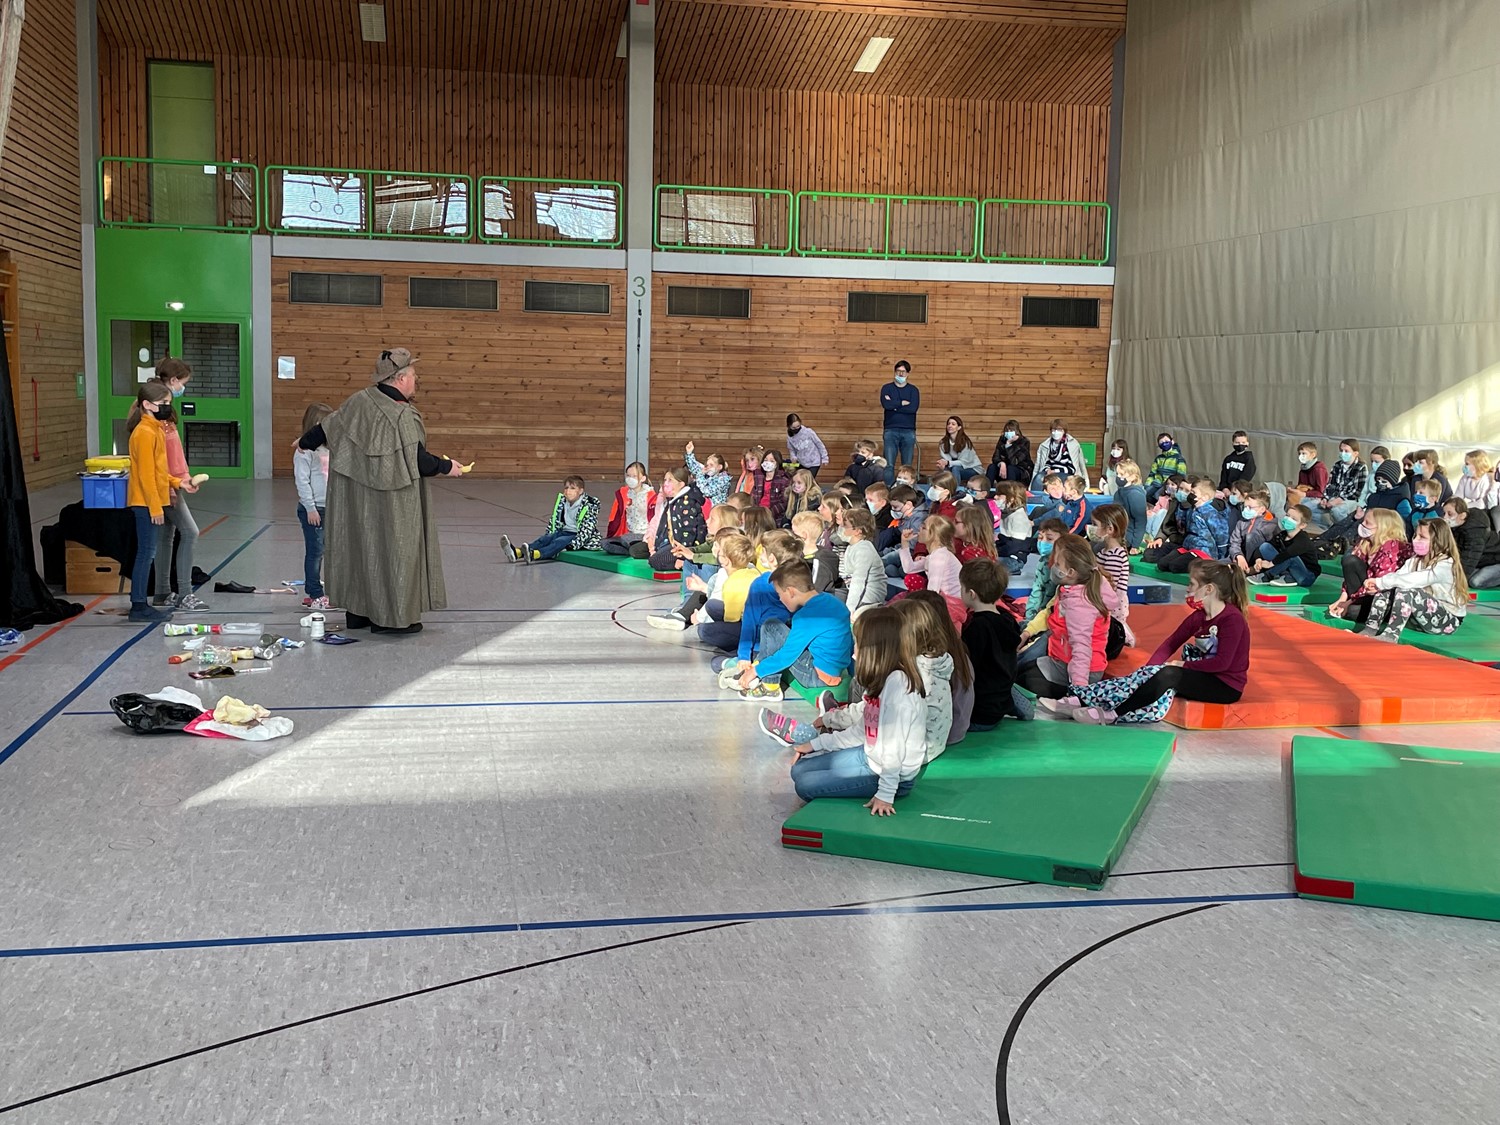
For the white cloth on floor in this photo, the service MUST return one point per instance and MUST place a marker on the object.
(262, 731)
(178, 695)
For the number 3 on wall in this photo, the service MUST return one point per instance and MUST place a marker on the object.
(638, 286)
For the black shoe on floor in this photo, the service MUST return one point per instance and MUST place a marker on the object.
(391, 631)
(232, 588)
(355, 621)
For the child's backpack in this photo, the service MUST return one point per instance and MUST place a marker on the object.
(1334, 548)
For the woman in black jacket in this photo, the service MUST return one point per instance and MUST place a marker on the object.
(1012, 457)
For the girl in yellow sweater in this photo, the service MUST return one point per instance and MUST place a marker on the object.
(149, 492)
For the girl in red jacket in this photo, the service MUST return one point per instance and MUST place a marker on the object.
(630, 514)
(1077, 623)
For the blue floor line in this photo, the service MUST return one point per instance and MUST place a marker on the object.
(647, 920)
(31, 732)
(495, 703)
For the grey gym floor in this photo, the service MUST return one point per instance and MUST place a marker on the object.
(566, 791)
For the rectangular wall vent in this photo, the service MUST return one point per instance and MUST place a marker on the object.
(566, 297)
(1059, 312)
(474, 294)
(715, 301)
(887, 308)
(334, 289)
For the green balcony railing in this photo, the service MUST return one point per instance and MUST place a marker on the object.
(535, 211)
(1049, 232)
(724, 220)
(852, 225)
(368, 203)
(182, 194)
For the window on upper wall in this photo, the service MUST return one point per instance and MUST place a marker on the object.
(704, 300)
(334, 289)
(566, 297)
(1059, 312)
(887, 308)
(475, 294)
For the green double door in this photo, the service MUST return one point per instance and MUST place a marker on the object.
(215, 414)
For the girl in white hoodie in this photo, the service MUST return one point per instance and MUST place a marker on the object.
(883, 747)
(1429, 593)
(944, 663)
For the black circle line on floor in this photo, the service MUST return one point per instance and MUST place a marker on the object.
(542, 963)
(615, 613)
(1002, 1062)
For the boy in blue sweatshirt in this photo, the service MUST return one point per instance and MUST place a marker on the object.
(817, 647)
(762, 603)
(1053, 506)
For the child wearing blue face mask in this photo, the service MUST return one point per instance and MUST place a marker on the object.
(1312, 477)
(1291, 557)
(1346, 484)
(1169, 462)
(1207, 530)
(1478, 487)
(1174, 523)
(1426, 502)
(1425, 467)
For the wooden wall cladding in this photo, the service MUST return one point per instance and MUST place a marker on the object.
(726, 383)
(328, 113)
(811, 141)
(39, 226)
(532, 395)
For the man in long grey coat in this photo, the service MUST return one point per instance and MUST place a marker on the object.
(381, 553)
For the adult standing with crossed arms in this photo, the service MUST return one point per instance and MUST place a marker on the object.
(900, 401)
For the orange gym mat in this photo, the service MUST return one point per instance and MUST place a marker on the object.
(1306, 675)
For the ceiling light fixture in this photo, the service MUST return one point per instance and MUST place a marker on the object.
(873, 53)
(372, 23)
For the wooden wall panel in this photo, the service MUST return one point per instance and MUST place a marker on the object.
(532, 395)
(724, 383)
(803, 140)
(341, 114)
(39, 226)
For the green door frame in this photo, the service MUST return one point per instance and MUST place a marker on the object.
(139, 275)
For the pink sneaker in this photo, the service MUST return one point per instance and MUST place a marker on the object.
(1094, 717)
(1061, 707)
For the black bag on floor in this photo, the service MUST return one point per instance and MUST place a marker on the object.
(1331, 548)
(145, 715)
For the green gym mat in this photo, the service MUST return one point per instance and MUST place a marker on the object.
(840, 691)
(1140, 566)
(1046, 802)
(618, 564)
(1477, 639)
(1403, 827)
(1323, 591)
(1335, 568)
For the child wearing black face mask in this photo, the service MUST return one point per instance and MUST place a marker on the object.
(804, 446)
(1239, 465)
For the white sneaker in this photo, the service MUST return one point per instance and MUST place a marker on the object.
(671, 619)
(191, 603)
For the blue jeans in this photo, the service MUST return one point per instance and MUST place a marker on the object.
(1295, 568)
(900, 448)
(145, 553)
(773, 635)
(704, 571)
(1033, 652)
(550, 544)
(1327, 517)
(839, 773)
(716, 632)
(312, 551)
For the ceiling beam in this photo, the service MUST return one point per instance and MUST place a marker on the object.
(1058, 13)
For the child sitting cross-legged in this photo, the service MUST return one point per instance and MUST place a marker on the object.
(711, 475)
(1013, 542)
(1052, 506)
(1107, 525)
(862, 572)
(942, 494)
(1078, 624)
(1428, 593)
(940, 565)
(803, 496)
(1207, 658)
(815, 648)
(991, 637)
(867, 467)
(1207, 530)
(773, 549)
(1291, 557)
(574, 526)
(1039, 601)
(909, 512)
(718, 619)
(974, 534)
(877, 756)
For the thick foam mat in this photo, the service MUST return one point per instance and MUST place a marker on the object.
(1305, 675)
(1323, 591)
(1484, 597)
(1141, 591)
(618, 564)
(1046, 802)
(1477, 639)
(1404, 827)
(1141, 567)
(790, 686)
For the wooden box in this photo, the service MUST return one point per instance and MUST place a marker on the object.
(93, 573)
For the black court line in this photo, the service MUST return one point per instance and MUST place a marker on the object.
(1002, 1063)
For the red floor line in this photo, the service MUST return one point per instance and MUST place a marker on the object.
(20, 652)
(1334, 733)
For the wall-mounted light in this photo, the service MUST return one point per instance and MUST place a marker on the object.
(874, 51)
(176, 306)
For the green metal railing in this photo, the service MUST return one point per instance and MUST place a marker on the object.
(724, 220)
(180, 194)
(1044, 231)
(368, 203)
(855, 225)
(536, 211)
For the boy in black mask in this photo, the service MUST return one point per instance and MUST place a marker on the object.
(1239, 465)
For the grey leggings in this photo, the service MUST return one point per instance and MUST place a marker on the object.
(179, 519)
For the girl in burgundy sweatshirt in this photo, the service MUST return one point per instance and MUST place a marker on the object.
(1216, 628)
